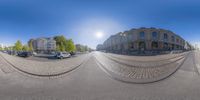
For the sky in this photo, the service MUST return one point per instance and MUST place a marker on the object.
(82, 20)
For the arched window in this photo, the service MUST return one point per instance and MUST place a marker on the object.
(142, 35)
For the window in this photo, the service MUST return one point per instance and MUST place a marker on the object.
(166, 46)
(154, 35)
(173, 39)
(177, 40)
(130, 37)
(165, 37)
(154, 45)
(142, 35)
(131, 45)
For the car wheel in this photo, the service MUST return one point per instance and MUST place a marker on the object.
(61, 57)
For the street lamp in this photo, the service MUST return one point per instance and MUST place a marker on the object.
(122, 35)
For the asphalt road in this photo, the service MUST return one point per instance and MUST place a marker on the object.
(90, 82)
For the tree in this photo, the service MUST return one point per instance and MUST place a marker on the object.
(11, 48)
(30, 47)
(18, 46)
(25, 48)
(1, 48)
(62, 47)
(6, 48)
(82, 48)
(57, 48)
(70, 47)
(61, 42)
(30, 44)
(78, 47)
(85, 48)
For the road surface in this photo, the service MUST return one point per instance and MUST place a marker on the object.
(90, 82)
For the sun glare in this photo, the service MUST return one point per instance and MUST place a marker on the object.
(99, 35)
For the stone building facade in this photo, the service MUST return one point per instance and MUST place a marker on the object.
(144, 40)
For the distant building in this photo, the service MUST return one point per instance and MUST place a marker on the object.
(196, 46)
(99, 47)
(188, 46)
(43, 44)
(1, 46)
(144, 39)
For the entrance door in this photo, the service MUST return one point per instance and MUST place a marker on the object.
(142, 46)
(166, 46)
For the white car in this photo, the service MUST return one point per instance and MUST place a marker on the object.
(34, 53)
(61, 55)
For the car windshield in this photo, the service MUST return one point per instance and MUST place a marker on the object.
(58, 53)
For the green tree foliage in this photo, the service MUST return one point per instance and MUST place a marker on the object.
(62, 44)
(18, 46)
(6, 48)
(1, 48)
(61, 41)
(70, 47)
(30, 44)
(62, 47)
(82, 48)
(57, 48)
(25, 48)
(11, 48)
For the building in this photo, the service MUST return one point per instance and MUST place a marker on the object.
(43, 45)
(188, 46)
(143, 40)
(99, 47)
(1, 46)
(196, 46)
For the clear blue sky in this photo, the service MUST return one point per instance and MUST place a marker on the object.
(81, 19)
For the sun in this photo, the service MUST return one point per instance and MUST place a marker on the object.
(99, 35)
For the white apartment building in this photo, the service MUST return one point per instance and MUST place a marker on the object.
(43, 44)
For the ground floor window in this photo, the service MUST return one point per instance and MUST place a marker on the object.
(131, 45)
(172, 46)
(177, 46)
(166, 46)
(154, 45)
(122, 46)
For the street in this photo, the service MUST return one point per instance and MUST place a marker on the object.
(92, 80)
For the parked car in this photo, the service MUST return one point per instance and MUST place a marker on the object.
(61, 55)
(4, 51)
(24, 54)
(34, 53)
(12, 52)
(53, 52)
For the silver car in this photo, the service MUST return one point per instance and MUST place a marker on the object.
(61, 55)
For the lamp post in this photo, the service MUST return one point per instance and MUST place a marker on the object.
(121, 42)
(122, 35)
